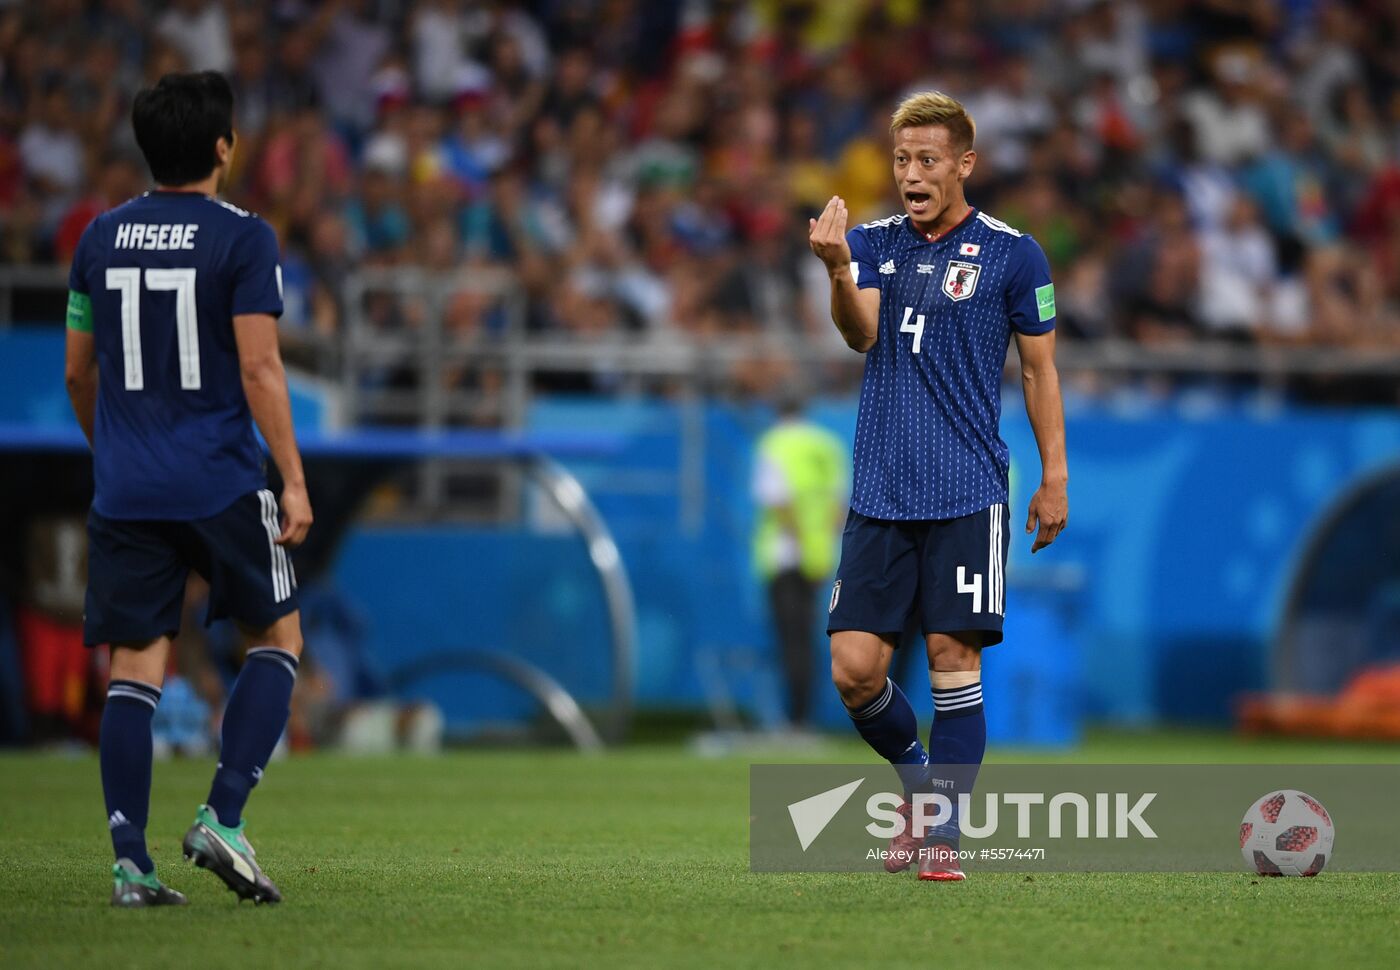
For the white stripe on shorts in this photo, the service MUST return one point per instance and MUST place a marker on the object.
(281, 581)
(994, 567)
(997, 567)
(991, 559)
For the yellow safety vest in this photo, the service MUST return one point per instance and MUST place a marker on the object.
(813, 462)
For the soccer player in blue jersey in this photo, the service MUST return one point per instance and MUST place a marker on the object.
(932, 297)
(171, 357)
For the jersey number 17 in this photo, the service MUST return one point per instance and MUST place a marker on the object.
(127, 281)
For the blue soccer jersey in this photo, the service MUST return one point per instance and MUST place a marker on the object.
(166, 273)
(928, 444)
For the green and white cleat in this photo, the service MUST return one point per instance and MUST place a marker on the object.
(227, 854)
(133, 889)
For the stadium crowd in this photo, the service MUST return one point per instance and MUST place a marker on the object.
(1194, 168)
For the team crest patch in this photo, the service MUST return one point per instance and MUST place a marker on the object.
(960, 280)
(835, 596)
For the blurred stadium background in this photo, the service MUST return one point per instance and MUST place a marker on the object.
(546, 272)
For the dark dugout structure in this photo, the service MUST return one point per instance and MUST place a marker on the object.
(1342, 611)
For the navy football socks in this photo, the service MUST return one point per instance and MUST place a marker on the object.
(124, 750)
(254, 719)
(957, 741)
(888, 725)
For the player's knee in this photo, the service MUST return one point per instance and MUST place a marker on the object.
(857, 683)
(955, 651)
(144, 661)
(284, 634)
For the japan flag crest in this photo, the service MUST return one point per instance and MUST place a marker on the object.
(969, 249)
(960, 279)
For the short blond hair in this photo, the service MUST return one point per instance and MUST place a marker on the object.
(930, 108)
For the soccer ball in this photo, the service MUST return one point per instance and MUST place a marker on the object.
(1286, 833)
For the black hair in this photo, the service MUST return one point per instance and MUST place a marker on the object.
(178, 123)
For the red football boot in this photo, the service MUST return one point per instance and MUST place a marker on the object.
(938, 862)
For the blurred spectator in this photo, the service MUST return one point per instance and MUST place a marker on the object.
(199, 30)
(254, 89)
(1377, 227)
(349, 46)
(1292, 185)
(1110, 41)
(1329, 57)
(651, 167)
(1085, 306)
(375, 213)
(50, 148)
(1343, 298)
(1239, 272)
(1162, 300)
(1231, 123)
(1038, 208)
(1012, 111)
(474, 149)
(119, 178)
(1208, 186)
(438, 33)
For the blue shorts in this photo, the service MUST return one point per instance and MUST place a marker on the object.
(137, 571)
(951, 571)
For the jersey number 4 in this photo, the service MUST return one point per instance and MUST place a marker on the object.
(127, 281)
(974, 587)
(916, 328)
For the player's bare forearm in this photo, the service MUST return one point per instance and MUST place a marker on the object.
(265, 386)
(855, 312)
(1040, 381)
(80, 377)
(83, 395)
(266, 389)
(1047, 417)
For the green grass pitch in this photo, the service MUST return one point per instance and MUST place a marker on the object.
(636, 858)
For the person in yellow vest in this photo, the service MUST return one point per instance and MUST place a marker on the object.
(800, 484)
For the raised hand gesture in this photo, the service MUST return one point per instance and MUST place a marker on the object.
(827, 236)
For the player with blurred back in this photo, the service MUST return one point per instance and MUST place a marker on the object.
(172, 355)
(933, 297)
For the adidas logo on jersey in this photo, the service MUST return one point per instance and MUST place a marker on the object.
(887, 267)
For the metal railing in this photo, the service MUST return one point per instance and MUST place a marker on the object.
(432, 350)
(451, 348)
